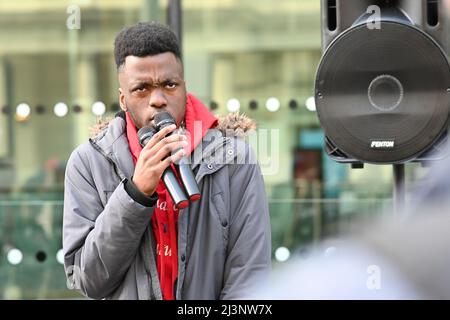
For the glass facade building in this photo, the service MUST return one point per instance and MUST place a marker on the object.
(57, 77)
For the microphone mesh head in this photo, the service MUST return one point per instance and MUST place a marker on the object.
(163, 119)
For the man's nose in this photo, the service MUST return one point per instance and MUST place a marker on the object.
(157, 99)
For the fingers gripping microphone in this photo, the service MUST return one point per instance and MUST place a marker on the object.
(145, 134)
(170, 180)
(164, 119)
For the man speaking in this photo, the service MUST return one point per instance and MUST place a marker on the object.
(124, 237)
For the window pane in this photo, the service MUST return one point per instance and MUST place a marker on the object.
(56, 61)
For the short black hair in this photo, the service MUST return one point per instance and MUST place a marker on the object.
(145, 39)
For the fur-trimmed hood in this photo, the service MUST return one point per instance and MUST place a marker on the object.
(233, 124)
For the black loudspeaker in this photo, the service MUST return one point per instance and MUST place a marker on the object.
(382, 87)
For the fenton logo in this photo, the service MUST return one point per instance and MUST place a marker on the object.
(388, 144)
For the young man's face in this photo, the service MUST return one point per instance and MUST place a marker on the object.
(152, 84)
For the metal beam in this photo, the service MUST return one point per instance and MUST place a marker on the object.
(174, 20)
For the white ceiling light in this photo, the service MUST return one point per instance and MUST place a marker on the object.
(23, 110)
(233, 105)
(273, 104)
(98, 108)
(60, 109)
(311, 104)
(14, 256)
(60, 256)
(282, 254)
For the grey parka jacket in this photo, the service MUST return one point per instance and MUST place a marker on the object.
(224, 239)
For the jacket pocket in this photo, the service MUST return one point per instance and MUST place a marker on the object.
(221, 212)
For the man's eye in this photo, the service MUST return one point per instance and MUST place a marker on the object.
(140, 89)
(171, 85)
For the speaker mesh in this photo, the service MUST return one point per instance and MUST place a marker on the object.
(382, 96)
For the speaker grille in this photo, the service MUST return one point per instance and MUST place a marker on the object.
(381, 95)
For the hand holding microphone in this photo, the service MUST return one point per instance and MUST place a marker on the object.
(165, 125)
(156, 156)
(162, 121)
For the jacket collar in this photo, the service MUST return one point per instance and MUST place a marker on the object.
(112, 143)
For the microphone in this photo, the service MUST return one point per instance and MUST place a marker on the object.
(145, 134)
(169, 178)
(162, 120)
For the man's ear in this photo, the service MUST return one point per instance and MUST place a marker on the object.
(122, 104)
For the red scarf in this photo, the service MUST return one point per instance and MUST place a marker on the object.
(165, 216)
